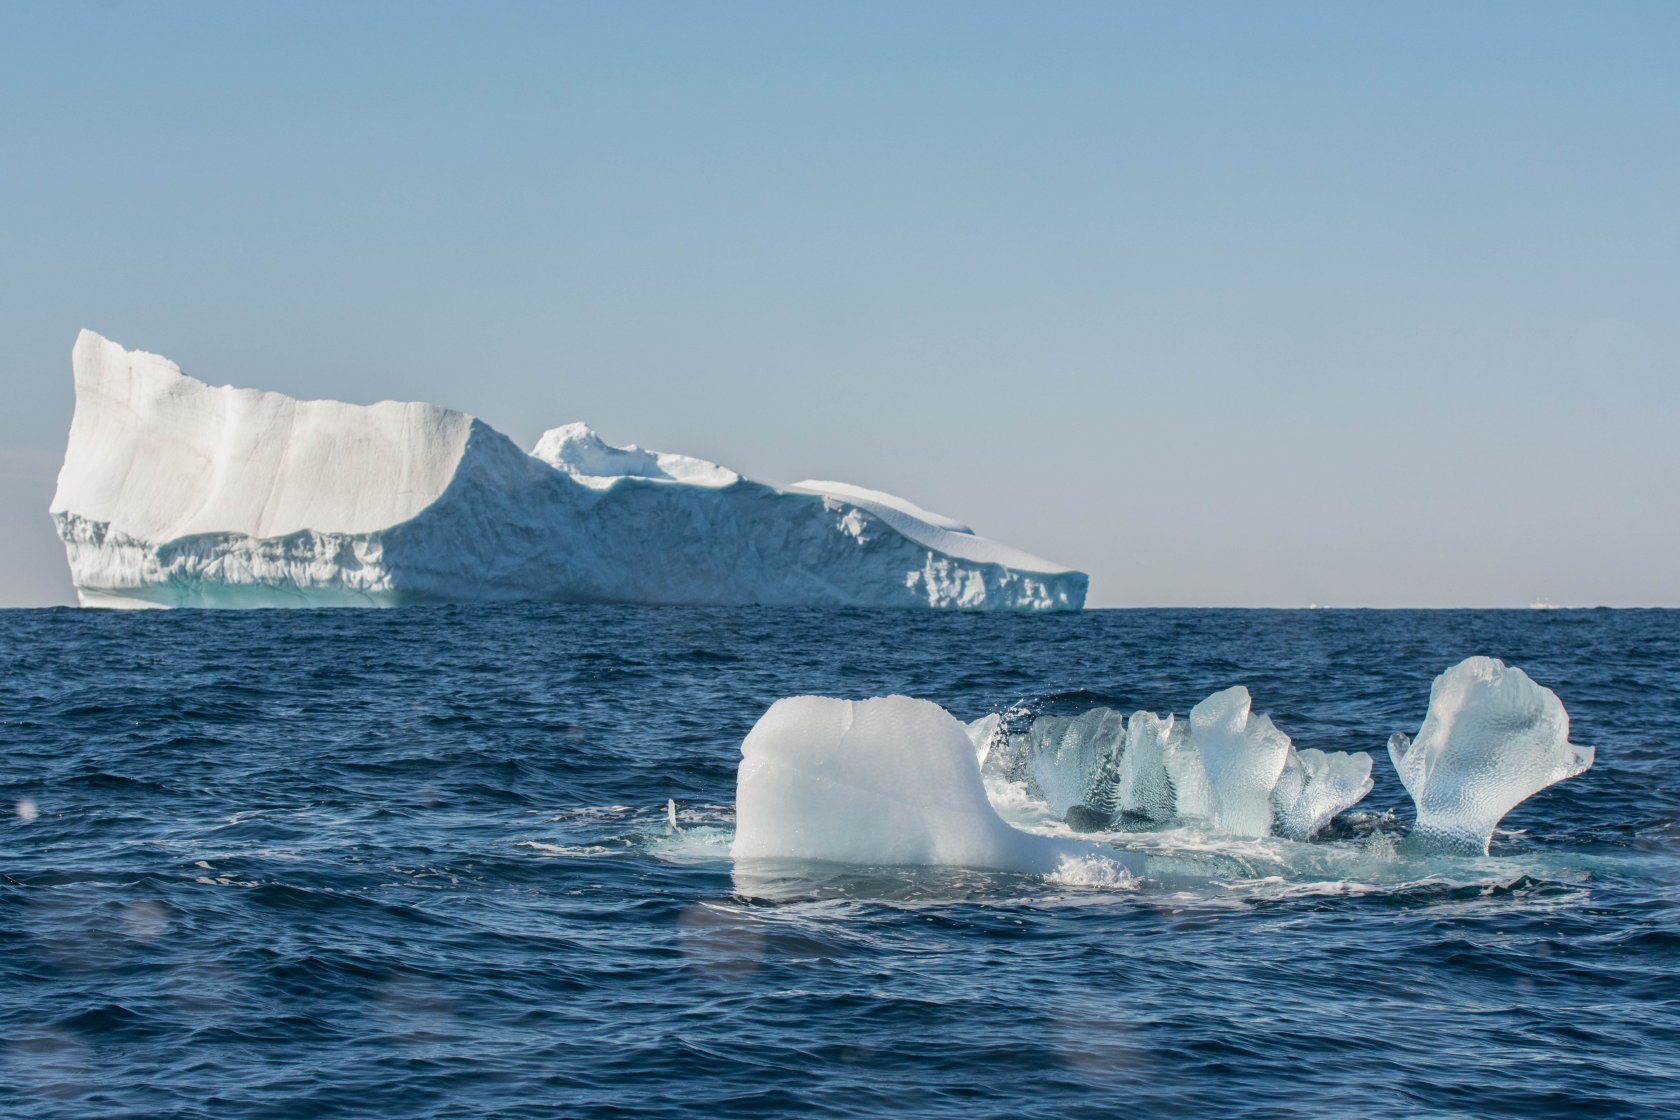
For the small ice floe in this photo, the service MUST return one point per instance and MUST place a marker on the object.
(894, 781)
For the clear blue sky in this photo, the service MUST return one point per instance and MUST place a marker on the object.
(1255, 304)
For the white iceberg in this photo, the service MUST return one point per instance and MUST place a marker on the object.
(891, 781)
(177, 493)
(1492, 738)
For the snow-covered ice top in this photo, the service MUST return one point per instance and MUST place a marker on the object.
(178, 493)
(884, 503)
(577, 450)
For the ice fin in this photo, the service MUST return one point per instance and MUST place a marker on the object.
(1492, 738)
(1144, 784)
(1244, 758)
(1073, 760)
(1314, 787)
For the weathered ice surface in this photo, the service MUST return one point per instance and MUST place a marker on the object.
(887, 781)
(1071, 761)
(178, 493)
(1492, 739)
(1316, 785)
(1244, 757)
(1224, 769)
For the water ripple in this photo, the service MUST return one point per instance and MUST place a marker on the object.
(416, 864)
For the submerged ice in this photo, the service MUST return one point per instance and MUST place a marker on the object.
(900, 781)
(178, 493)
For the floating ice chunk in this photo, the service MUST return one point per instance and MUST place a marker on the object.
(1228, 769)
(1072, 762)
(1244, 757)
(1492, 738)
(1161, 776)
(888, 781)
(1314, 787)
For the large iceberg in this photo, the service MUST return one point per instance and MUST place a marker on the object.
(178, 493)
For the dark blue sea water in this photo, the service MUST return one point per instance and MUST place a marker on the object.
(416, 864)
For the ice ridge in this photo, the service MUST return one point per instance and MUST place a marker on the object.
(1492, 738)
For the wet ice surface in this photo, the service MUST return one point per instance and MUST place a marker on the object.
(1491, 740)
(1224, 770)
(419, 863)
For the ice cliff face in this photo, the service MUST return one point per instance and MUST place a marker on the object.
(177, 493)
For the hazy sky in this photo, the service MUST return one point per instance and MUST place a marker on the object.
(1253, 304)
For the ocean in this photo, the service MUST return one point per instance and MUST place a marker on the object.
(420, 863)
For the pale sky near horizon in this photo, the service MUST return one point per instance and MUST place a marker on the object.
(1226, 304)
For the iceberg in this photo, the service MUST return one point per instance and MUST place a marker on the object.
(1492, 738)
(895, 781)
(890, 781)
(178, 493)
